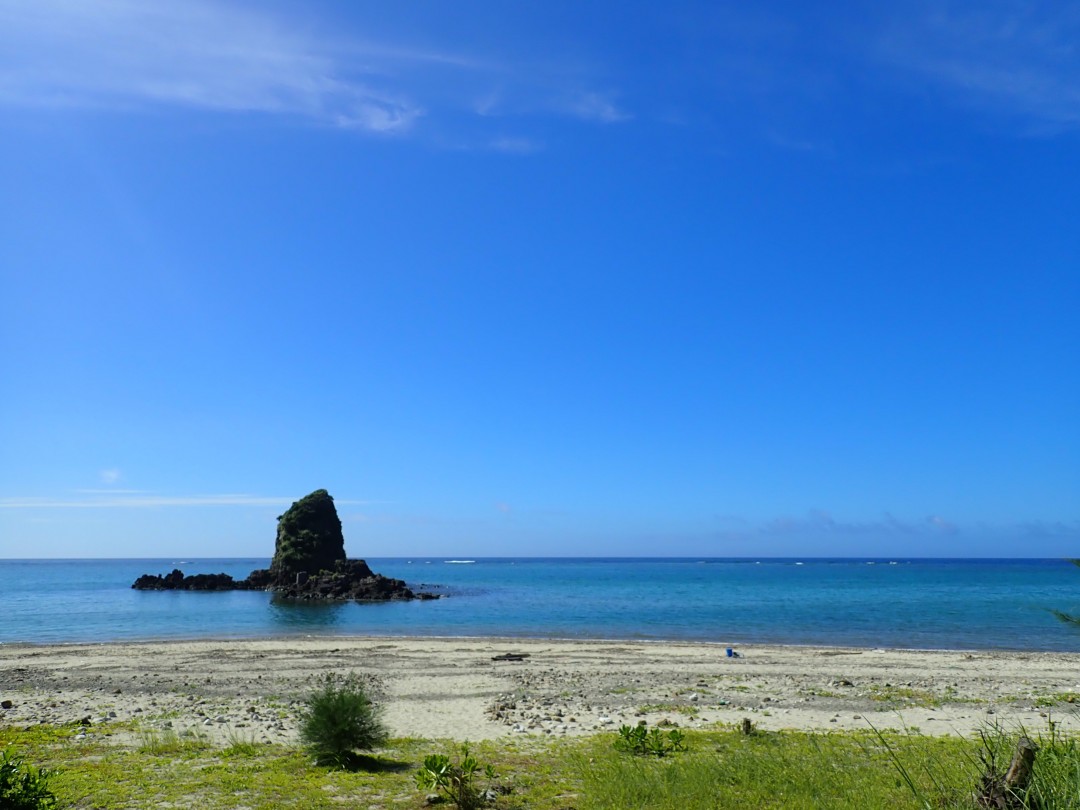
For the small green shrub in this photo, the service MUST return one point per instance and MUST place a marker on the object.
(339, 720)
(22, 786)
(640, 740)
(456, 782)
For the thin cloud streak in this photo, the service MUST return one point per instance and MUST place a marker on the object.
(112, 491)
(818, 523)
(118, 54)
(516, 146)
(128, 56)
(158, 501)
(596, 107)
(1011, 60)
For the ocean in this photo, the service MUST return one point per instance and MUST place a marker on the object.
(900, 603)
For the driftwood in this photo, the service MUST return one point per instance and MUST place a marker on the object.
(510, 657)
(1008, 792)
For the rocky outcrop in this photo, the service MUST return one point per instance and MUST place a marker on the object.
(309, 537)
(309, 563)
(348, 579)
(176, 581)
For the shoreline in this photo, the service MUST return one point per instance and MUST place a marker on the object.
(526, 639)
(451, 687)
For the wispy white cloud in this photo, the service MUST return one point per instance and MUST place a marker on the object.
(109, 476)
(489, 103)
(110, 491)
(516, 146)
(529, 97)
(796, 144)
(591, 106)
(1007, 58)
(941, 524)
(197, 54)
(933, 535)
(227, 57)
(109, 500)
(819, 521)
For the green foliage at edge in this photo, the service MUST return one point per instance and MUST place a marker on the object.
(22, 786)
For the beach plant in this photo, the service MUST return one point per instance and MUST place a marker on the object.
(649, 742)
(22, 786)
(340, 719)
(458, 782)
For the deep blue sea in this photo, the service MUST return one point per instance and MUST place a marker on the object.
(929, 604)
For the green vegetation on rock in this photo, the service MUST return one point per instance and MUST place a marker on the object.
(309, 537)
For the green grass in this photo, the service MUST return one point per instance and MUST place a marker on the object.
(900, 696)
(241, 745)
(761, 770)
(1046, 701)
(167, 741)
(825, 693)
(721, 769)
(676, 708)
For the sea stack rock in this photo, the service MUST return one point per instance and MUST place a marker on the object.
(309, 563)
(309, 538)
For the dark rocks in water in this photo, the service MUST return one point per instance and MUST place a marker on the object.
(309, 563)
(176, 581)
(260, 580)
(348, 579)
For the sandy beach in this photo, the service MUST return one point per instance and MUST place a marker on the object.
(458, 689)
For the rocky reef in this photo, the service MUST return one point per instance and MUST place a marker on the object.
(176, 581)
(309, 563)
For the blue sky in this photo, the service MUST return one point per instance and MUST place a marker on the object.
(540, 278)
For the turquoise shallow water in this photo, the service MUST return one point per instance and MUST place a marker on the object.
(965, 604)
